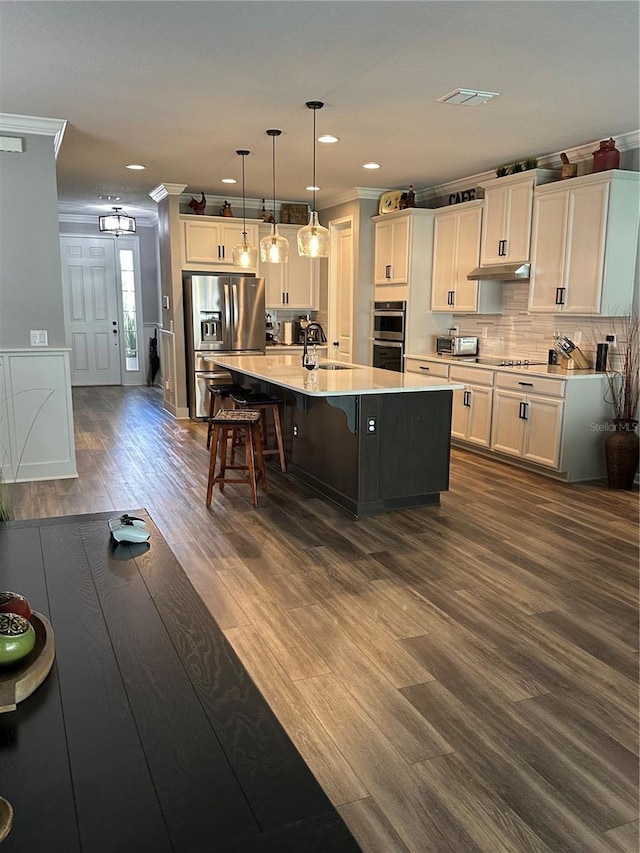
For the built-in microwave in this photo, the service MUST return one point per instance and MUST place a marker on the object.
(457, 345)
(389, 321)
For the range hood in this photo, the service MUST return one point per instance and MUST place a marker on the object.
(501, 272)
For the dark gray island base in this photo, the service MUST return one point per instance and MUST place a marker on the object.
(368, 453)
(371, 453)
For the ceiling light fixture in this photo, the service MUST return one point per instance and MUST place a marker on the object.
(313, 239)
(371, 165)
(274, 249)
(117, 223)
(328, 138)
(244, 254)
(135, 166)
(228, 181)
(467, 97)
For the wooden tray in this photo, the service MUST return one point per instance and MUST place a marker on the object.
(20, 679)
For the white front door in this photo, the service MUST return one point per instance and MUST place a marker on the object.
(91, 309)
(341, 286)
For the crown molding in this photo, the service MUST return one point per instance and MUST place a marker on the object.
(579, 153)
(353, 194)
(163, 191)
(35, 126)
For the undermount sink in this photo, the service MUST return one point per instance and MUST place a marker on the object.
(333, 367)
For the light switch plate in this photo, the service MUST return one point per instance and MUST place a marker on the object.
(39, 338)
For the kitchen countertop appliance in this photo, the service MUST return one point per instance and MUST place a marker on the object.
(222, 314)
(458, 345)
(389, 325)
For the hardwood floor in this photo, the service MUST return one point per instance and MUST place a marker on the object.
(458, 678)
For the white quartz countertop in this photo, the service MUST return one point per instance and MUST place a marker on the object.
(557, 371)
(287, 371)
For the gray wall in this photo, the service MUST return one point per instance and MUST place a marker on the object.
(30, 278)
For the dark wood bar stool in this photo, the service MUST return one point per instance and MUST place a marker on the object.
(235, 422)
(218, 393)
(253, 400)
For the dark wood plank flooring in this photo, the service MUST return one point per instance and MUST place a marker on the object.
(459, 677)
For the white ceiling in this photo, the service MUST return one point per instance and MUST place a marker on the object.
(179, 86)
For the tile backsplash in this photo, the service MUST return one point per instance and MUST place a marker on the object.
(518, 334)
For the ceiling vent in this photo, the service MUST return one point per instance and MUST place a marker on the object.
(468, 97)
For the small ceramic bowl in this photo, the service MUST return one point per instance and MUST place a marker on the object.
(17, 638)
(13, 602)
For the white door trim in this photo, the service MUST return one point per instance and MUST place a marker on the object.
(344, 223)
(137, 377)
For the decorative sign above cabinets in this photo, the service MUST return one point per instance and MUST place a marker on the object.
(464, 195)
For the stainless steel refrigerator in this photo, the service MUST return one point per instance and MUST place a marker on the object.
(223, 314)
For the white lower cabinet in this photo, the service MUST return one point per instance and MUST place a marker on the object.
(528, 426)
(527, 417)
(471, 415)
(553, 425)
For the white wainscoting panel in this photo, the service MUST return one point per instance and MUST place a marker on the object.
(36, 415)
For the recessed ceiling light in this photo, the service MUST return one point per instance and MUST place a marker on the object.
(327, 138)
(228, 181)
(312, 189)
(468, 97)
(109, 197)
(135, 166)
(371, 165)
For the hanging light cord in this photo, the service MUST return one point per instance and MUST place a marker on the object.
(273, 169)
(244, 218)
(315, 110)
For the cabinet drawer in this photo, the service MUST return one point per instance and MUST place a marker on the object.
(428, 368)
(471, 376)
(528, 384)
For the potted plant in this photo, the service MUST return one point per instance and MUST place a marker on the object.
(622, 445)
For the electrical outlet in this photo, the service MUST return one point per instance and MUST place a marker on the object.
(295, 429)
(371, 425)
(577, 337)
(39, 338)
(612, 340)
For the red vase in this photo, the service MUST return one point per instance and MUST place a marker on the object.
(606, 156)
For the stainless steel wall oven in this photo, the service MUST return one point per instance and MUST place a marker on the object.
(389, 320)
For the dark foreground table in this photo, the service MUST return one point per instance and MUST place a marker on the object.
(148, 734)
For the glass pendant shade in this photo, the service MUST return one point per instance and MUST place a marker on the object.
(313, 239)
(244, 255)
(274, 248)
(117, 223)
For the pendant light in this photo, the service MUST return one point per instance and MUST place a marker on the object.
(313, 239)
(117, 223)
(244, 254)
(274, 249)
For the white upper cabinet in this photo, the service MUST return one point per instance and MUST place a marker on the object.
(295, 284)
(392, 247)
(207, 242)
(506, 229)
(584, 244)
(456, 248)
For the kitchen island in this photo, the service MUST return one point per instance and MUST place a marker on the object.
(370, 440)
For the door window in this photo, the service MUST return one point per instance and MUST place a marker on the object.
(130, 323)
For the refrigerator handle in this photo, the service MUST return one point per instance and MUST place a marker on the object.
(228, 314)
(234, 307)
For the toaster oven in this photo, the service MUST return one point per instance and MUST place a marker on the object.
(457, 345)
